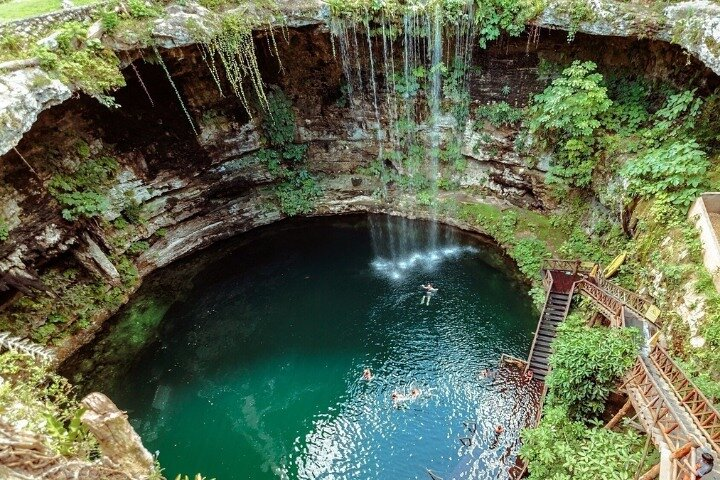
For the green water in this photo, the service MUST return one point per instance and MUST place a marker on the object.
(254, 371)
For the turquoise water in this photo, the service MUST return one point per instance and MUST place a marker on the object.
(254, 372)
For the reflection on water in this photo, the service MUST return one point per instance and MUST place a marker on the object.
(255, 373)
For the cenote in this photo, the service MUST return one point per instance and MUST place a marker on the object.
(254, 368)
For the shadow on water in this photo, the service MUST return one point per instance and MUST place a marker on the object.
(244, 361)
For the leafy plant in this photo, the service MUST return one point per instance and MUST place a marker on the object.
(529, 254)
(4, 229)
(298, 193)
(45, 403)
(566, 116)
(586, 362)
(676, 172)
(562, 449)
(499, 114)
(279, 122)
(81, 192)
(496, 16)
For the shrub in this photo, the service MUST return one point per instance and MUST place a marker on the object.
(562, 449)
(499, 113)
(566, 116)
(529, 253)
(279, 122)
(298, 193)
(34, 394)
(676, 172)
(4, 229)
(586, 362)
(495, 16)
(81, 193)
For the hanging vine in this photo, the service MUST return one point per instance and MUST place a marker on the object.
(177, 93)
(233, 45)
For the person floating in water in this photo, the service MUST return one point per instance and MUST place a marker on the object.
(499, 430)
(488, 373)
(398, 397)
(429, 292)
(367, 375)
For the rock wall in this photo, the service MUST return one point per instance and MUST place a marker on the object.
(196, 190)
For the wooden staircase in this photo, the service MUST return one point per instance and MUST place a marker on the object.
(554, 313)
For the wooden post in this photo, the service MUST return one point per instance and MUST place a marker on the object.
(683, 451)
(619, 415)
(651, 474)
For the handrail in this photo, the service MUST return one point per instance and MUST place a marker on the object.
(22, 345)
(573, 266)
(673, 433)
(611, 306)
(537, 329)
(640, 305)
(643, 306)
(704, 414)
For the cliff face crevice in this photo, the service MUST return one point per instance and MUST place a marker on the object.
(190, 191)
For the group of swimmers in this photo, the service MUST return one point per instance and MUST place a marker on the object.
(396, 396)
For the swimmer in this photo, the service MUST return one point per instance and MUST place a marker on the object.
(429, 292)
(397, 398)
(528, 375)
(415, 393)
(488, 373)
(499, 430)
(367, 375)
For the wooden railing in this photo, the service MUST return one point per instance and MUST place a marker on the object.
(576, 267)
(539, 323)
(21, 345)
(641, 305)
(659, 421)
(702, 411)
(610, 306)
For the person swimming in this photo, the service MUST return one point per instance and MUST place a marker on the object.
(398, 397)
(367, 375)
(429, 292)
(528, 375)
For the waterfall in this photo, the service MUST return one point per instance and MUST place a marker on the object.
(402, 247)
(425, 47)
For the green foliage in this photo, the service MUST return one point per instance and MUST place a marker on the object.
(233, 44)
(563, 449)
(496, 16)
(586, 363)
(566, 117)
(34, 394)
(143, 8)
(298, 193)
(529, 254)
(499, 114)
(81, 192)
(133, 210)
(676, 172)
(279, 122)
(110, 20)
(579, 11)
(84, 63)
(4, 229)
(138, 247)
